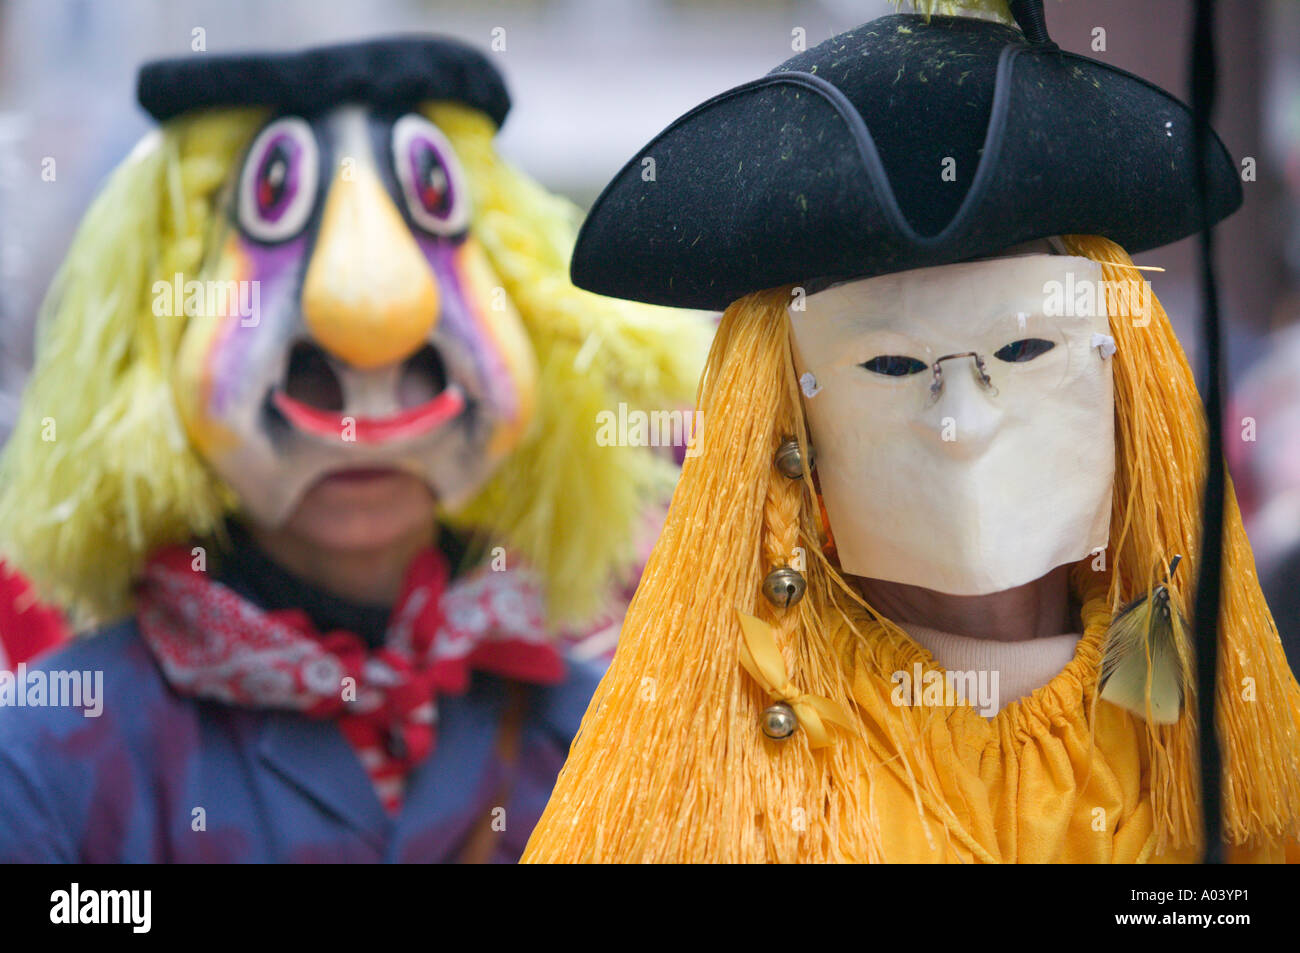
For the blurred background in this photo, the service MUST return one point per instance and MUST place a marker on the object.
(593, 80)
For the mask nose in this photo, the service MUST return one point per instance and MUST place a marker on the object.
(369, 297)
(965, 415)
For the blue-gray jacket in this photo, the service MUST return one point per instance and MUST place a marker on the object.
(128, 786)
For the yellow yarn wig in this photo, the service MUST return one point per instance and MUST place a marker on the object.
(670, 764)
(99, 472)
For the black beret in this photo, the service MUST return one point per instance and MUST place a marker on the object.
(395, 71)
(902, 144)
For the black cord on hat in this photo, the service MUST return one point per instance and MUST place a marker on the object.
(1029, 16)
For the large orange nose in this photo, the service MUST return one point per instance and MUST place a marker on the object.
(370, 297)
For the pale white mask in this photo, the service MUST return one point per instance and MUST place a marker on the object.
(988, 474)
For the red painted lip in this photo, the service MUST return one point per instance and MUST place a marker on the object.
(413, 422)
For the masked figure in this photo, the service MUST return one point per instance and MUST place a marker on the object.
(314, 409)
(919, 596)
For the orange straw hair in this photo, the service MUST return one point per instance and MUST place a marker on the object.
(1160, 467)
(670, 764)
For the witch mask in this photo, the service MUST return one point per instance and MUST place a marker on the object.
(963, 420)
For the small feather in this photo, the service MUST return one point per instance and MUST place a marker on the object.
(1140, 668)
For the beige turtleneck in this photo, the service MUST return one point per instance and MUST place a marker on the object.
(1022, 666)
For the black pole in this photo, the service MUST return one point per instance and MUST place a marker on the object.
(1209, 584)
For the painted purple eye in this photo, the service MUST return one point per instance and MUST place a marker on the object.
(277, 187)
(432, 181)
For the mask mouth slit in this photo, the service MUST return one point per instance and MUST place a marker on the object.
(311, 399)
(423, 377)
(310, 379)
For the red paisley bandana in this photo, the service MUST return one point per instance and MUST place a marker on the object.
(212, 643)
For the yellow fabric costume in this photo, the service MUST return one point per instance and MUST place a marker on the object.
(670, 763)
(1034, 784)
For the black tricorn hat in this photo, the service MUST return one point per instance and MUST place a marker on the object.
(399, 72)
(905, 143)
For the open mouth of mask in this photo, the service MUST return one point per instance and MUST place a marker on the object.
(318, 397)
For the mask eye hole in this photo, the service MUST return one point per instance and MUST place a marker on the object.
(1026, 349)
(432, 182)
(277, 187)
(894, 365)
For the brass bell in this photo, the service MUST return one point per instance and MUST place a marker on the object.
(789, 459)
(784, 587)
(779, 721)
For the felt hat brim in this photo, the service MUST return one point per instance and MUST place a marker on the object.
(904, 144)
